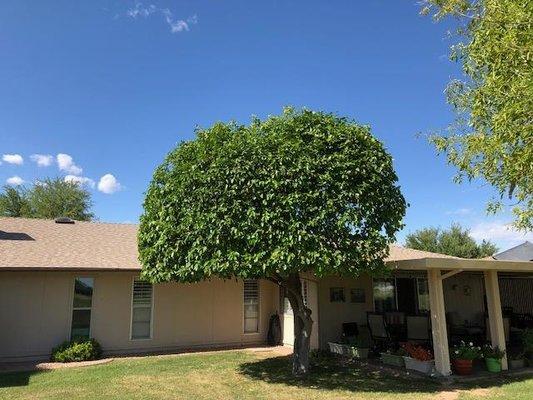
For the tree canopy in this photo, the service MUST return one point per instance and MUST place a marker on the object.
(48, 199)
(454, 241)
(304, 191)
(301, 192)
(492, 136)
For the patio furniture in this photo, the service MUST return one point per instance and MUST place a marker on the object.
(456, 327)
(395, 318)
(378, 329)
(395, 323)
(418, 328)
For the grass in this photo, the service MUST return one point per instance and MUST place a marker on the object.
(238, 375)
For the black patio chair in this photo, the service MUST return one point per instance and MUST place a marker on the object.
(378, 330)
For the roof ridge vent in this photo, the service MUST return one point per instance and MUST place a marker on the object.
(64, 220)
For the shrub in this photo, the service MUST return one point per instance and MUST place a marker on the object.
(466, 351)
(78, 349)
(493, 352)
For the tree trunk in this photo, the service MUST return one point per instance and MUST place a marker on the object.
(302, 325)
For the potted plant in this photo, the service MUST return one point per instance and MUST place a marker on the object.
(517, 360)
(356, 347)
(418, 359)
(351, 347)
(394, 358)
(527, 342)
(493, 358)
(463, 356)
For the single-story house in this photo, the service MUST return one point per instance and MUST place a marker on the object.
(60, 279)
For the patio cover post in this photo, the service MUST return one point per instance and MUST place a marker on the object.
(438, 322)
(497, 332)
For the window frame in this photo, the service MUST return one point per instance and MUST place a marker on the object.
(131, 338)
(258, 308)
(72, 308)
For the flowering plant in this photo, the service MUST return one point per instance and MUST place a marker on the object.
(493, 352)
(417, 352)
(466, 351)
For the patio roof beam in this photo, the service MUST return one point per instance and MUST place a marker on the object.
(450, 273)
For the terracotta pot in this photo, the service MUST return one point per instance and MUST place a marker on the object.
(462, 367)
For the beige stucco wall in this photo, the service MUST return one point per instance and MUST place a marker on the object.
(37, 309)
(333, 315)
(463, 295)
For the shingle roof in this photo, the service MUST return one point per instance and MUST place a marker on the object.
(398, 253)
(27, 243)
(522, 252)
(38, 243)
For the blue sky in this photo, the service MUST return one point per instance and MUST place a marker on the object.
(112, 86)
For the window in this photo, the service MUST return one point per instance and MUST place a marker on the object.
(81, 307)
(422, 294)
(336, 295)
(384, 295)
(141, 310)
(251, 306)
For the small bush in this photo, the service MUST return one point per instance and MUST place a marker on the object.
(77, 350)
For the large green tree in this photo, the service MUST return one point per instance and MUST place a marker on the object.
(300, 192)
(13, 202)
(492, 137)
(48, 199)
(454, 241)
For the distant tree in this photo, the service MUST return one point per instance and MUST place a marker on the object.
(492, 136)
(301, 192)
(13, 202)
(48, 199)
(454, 241)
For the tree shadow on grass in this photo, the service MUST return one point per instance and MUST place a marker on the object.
(330, 374)
(11, 379)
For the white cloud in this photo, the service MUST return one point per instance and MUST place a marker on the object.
(460, 211)
(15, 181)
(139, 10)
(108, 184)
(176, 25)
(42, 160)
(81, 180)
(15, 159)
(66, 164)
(502, 233)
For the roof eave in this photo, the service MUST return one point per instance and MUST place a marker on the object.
(462, 263)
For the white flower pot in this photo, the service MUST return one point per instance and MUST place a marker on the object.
(426, 367)
(348, 350)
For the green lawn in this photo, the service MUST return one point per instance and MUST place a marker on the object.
(237, 375)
